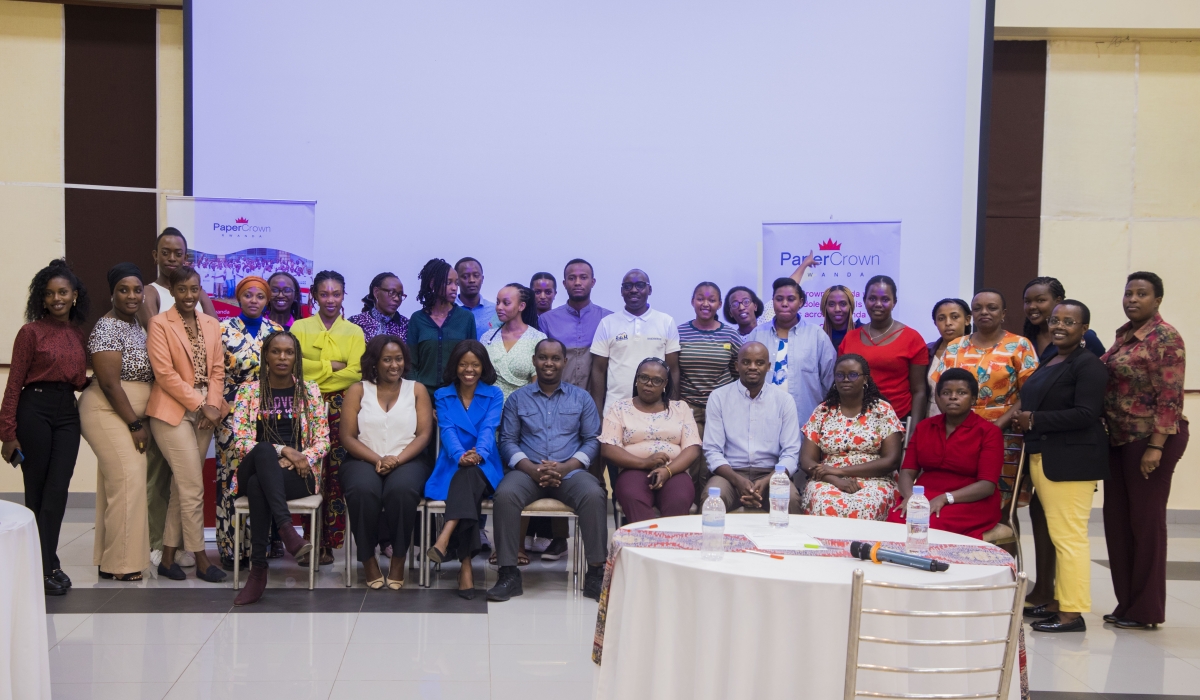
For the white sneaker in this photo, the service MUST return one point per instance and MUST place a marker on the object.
(540, 544)
(155, 559)
(484, 542)
(184, 558)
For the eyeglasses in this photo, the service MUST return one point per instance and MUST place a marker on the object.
(633, 286)
(846, 376)
(655, 382)
(394, 294)
(1064, 322)
(739, 304)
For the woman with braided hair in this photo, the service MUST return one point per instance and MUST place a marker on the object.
(381, 308)
(1040, 296)
(281, 435)
(852, 446)
(440, 325)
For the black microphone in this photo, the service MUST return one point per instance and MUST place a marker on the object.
(873, 552)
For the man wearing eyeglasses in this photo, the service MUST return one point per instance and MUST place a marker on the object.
(625, 338)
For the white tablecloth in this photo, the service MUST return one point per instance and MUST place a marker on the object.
(24, 652)
(752, 627)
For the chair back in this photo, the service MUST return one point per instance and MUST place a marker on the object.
(1013, 495)
(1007, 644)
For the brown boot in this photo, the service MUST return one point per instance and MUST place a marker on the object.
(296, 545)
(256, 583)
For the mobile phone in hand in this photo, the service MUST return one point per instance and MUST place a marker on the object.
(16, 458)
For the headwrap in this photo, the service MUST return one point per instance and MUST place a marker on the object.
(253, 324)
(120, 271)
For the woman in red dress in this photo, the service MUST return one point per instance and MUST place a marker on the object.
(958, 456)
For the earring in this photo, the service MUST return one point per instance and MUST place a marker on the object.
(75, 301)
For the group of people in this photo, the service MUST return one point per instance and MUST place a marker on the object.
(467, 400)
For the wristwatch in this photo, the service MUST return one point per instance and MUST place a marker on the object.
(135, 426)
(949, 498)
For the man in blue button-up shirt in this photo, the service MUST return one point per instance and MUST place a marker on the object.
(548, 439)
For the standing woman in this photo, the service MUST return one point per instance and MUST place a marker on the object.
(1143, 407)
(468, 467)
(112, 412)
(39, 421)
(708, 351)
(387, 422)
(380, 314)
(185, 405)
(952, 317)
(510, 347)
(1061, 408)
(242, 337)
(742, 309)
(332, 348)
(1001, 361)
(896, 353)
(281, 435)
(286, 307)
(837, 310)
(1041, 295)
(545, 289)
(439, 326)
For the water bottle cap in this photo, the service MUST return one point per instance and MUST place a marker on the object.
(918, 490)
(780, 468)
(714, 492)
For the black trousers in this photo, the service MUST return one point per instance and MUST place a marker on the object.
(387, 502)
(48, 430)
(269, 487)
(468, 489)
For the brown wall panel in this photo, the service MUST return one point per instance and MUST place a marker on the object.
(110, 92)
(105, 228)
(1014, 186)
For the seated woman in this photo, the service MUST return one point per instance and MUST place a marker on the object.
(652, 441)
(852, 446)
(281, 435)
(958, 456)
(468, 467)
(387, 421)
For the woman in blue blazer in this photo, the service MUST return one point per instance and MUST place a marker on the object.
(468, 466)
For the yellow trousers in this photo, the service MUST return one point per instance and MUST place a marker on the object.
(1068, 505)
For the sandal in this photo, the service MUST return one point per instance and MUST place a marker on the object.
(326, 557)
(522, 558)
(135, 576)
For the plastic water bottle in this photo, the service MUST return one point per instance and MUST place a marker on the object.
(918, 522)
(781, 497)
(712, 542)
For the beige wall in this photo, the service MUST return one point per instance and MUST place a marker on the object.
(1121, 186)
(1145, 19)
(31, 157)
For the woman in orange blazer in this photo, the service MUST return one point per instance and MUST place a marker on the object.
(185, 404)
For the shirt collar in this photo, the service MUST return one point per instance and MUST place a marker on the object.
(645, 315)
(746, 392)
(1142, 332)
(378, 315)
(579, 314)
(538, 389)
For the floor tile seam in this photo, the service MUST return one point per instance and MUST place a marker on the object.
(86, 616)
(1050, 660)
(349, 639)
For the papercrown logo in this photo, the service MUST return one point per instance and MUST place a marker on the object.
(831, 256)
(240, 225)
(830, 244)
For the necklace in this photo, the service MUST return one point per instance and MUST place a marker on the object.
(875, 339)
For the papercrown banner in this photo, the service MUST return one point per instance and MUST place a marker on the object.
(848, 254)
(229, 239)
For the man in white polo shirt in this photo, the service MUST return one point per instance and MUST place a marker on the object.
(625, 338)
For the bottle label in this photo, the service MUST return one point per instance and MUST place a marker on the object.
(714, 520)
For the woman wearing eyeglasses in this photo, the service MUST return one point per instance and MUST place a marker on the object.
(380, 314)
(652, 441)
(851, 449)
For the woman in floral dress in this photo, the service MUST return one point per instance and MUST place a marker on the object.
(852, 446)
(243, 336)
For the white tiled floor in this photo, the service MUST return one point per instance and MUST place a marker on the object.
(532, 647)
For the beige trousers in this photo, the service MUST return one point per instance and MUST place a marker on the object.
(122, 542)
(184, 446)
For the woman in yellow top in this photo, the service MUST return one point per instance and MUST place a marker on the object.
(332, 348)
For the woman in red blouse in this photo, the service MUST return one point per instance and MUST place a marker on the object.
(39, 421)
(959, 456)
(897, 354)
(1147, 432)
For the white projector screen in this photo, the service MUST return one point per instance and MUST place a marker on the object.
(658, 135)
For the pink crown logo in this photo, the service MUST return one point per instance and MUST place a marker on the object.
(244, 220)
(831, 244)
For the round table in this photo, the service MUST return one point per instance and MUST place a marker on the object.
(752, 627)
(24, 652)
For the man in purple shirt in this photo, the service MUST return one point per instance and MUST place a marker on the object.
(574, 324)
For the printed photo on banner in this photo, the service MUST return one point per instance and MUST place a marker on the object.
(844, 253)
(230, 239)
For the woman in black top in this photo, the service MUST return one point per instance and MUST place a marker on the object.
(1061, 406)
(1040, 296)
